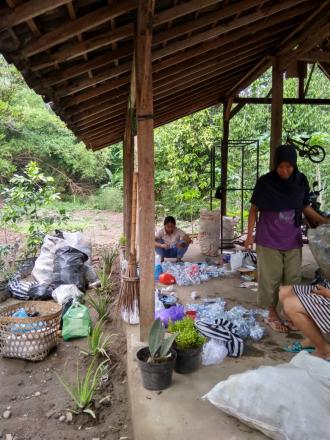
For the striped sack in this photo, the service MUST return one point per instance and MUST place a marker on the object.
(224, 331)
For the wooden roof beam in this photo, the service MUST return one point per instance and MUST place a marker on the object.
(181, 10)
(104, 88)
(94, 130)
(97, 79)
(234, 24)
(94, 103)
(99, 111)
(102, 116)
(27, 11)
(82, 24)
(314, 56)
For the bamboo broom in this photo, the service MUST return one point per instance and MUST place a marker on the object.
(129, 295)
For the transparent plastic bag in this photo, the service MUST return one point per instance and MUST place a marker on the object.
(214, 352)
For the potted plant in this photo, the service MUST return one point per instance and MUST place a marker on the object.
(157, 361)
(188, 345)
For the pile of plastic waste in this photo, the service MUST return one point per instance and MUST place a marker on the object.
(244, 319)
(187, 274)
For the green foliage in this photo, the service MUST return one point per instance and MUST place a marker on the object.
(98, 344)
(83, 390)
(159, 346)
(26, 198)
(110, 199)
(8, 263)
(187, 335)
(109, 255)
(122, 240)
(101, 303)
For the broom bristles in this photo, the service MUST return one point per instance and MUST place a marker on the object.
(129, 294)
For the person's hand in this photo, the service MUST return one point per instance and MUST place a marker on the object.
(165, 246)
(321, 290)
(181, 245)
(248, 243)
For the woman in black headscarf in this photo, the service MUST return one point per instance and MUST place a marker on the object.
(279, 199)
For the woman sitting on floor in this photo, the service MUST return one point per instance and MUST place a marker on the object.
(309, 309)
(171, 242)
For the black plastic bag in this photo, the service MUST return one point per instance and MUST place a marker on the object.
(26, 290)
(40, 292)
(69, 268)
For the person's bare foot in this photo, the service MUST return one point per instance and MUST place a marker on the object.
(275, 322)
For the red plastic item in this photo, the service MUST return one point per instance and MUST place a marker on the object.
(167, 278)
(191, 314)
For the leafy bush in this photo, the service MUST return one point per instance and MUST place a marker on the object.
(187, 335)
(110, 199)
(25, 199)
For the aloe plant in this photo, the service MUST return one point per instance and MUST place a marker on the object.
(83, 390)
(100, 303)
(159, 345)
(97, 343)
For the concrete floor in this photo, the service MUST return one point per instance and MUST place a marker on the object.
(179, 412)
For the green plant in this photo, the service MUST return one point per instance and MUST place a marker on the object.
(109, 256)
(25, 198)
(83, 390)
(187, 335)
(159, 346)
(110, 199)
(8, 263)
(122, 240)
(97, 343)
(101, 304)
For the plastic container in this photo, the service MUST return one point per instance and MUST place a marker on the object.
(191, 314)
(158, 267)
(155, 376)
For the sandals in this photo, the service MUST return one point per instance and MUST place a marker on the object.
(290, 325)
(296, 347)
(277, 325)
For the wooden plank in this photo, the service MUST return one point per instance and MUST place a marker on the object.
(234, 24)
(92, 125)
(256, 71)
(144, 109)
(276, 110)
(224, 156)
(97, 91)
(109, 111)
(291, 101)
(97, 79)
(82, 24)
(205, 20)
(181, 10)
(92, 104)
(128, 170)
(314, 56)
(27, 11)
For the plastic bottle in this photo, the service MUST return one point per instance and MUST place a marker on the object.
(158, 267)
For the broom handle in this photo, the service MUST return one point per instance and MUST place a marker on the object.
(134, 205)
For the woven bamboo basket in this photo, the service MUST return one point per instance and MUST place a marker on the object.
(29, 338)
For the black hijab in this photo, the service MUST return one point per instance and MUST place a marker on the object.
(272, 193)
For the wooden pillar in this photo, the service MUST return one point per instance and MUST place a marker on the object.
(224, 156)
(128, 169)
(145, 126)
(276, 110)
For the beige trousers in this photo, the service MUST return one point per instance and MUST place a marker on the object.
(276, 268)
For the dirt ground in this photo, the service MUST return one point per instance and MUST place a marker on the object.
(32, 392)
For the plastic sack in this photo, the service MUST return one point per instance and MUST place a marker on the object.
(66, 292)
(319, 243)
(76, 322)
(174, 313)
(209, 232)
(214, 352)
(229, 225)
(69, 267)
(236, 260)
(131, 317)
(25, 290)
(284, 414)
(43, 267)
(79, 241)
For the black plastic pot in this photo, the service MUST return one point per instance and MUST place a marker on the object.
(188, 359)
(155, 376)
